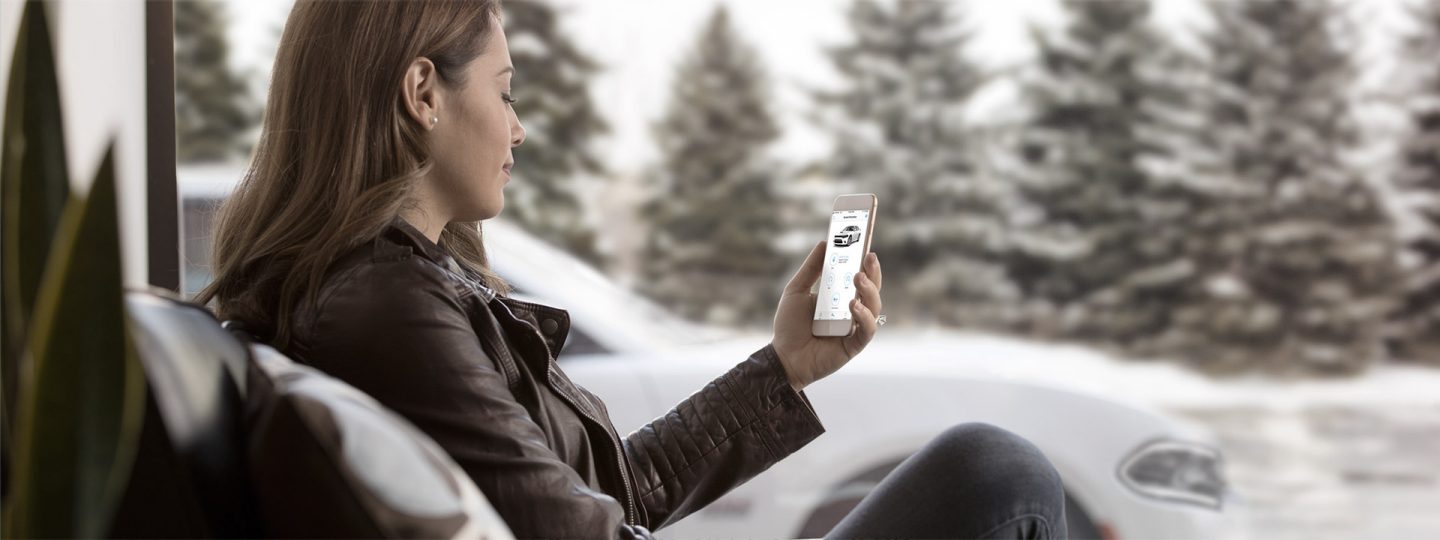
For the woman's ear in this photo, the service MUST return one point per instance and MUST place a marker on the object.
(421, 92)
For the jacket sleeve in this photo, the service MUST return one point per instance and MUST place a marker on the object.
(734, 428)
(394, 331)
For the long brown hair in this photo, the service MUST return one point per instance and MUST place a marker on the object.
(338, 156)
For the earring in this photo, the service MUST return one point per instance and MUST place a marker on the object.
(433, 120)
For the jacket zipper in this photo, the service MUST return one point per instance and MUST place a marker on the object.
(632, 516)
(624, 476)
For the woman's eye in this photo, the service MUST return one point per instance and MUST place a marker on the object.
(508, 98)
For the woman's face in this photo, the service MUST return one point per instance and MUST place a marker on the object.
(472, 138)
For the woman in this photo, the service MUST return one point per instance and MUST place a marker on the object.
(354, 245)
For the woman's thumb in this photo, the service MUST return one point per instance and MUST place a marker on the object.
(809, 271)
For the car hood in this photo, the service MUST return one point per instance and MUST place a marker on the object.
(1149, 387)
(959, 354)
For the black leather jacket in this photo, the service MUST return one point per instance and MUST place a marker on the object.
(400, 320)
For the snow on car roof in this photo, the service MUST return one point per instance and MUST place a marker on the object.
(208, 181)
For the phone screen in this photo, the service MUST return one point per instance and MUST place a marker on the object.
(843, 254)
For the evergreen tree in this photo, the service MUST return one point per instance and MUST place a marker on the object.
(1419, 309)
(1110, 250)
(213, 105)
(899, 133)
(709, 255)
(1299, 281)
(551, 83)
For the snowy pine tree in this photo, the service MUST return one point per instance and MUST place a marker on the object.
(560, 119)
(213, 105)
(1418, 313)
(1111, 246)
(710, 255)
(898, 131)
(1300, 280)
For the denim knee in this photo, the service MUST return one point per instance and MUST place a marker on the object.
(997, 445)
(972, 480)
(1015, 464)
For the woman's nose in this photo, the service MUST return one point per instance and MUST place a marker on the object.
(517, 135)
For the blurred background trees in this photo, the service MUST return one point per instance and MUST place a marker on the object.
(710, 254)
(1113, 255)
(1304, 273)
(552, 75)
(1188, 195)
(899, 131)
(1418, 312)
(214, 110)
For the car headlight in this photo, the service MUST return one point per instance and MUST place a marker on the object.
(1176, 471)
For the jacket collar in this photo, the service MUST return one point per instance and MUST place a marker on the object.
(410, 236)
(536, 315)
(416, 239)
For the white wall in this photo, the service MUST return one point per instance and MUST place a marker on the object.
(100, 47)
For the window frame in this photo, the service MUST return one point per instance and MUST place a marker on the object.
(162, 200)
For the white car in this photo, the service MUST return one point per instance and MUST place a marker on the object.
(847, 236)
(1129, 471)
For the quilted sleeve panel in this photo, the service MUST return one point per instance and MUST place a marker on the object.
(734, 428)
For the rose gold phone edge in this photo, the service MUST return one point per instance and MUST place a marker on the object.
(843, 327)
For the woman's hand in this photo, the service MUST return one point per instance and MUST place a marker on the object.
(808, 358)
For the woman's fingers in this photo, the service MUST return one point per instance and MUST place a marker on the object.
(872, 267)
(868, 292)
(866, 330)
(809, 271)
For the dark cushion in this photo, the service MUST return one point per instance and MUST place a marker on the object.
(188, 479)
(327, 460)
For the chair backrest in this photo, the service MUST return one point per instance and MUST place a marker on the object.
(327, 460)
(190, 477)
(239, 441)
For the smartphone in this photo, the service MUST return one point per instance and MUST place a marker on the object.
(852, 222)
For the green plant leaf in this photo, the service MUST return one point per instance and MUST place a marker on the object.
(34, 185)
(83, 402)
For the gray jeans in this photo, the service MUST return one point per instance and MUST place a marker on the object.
(972, 481)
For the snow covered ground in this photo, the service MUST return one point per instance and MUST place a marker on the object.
(1326, 470)
(1354, 458)
(1321, 459)
(1342, 459)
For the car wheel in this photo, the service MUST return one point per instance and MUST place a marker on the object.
(1078, 523)
(841, 500)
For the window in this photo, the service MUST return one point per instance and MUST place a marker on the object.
(578, 342)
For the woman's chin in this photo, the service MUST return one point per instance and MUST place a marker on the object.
(484, 212)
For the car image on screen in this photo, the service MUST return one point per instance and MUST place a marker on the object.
(847, 236)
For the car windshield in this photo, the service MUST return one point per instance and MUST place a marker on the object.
(613, 315)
